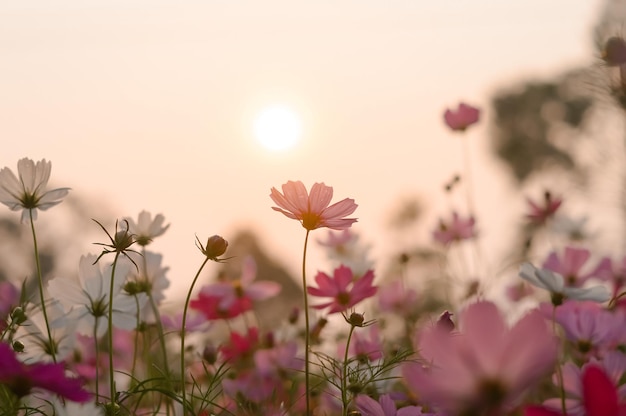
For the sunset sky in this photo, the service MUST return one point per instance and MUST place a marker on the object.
(151, 104)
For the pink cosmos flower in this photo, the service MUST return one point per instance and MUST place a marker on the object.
(586, 324)
(613, 364)
(229, 292)
(278, 359)
(462, 118)
(252, 385)
(194, 322)
(312, 210)
(22, 378)
(599, 397)
(570, 265)
(397, 298)
(613, 272)
(540, 212)
(518, 291)
(342, 288)
(455, 230)
(384, 407)
(484, 368)
(366, 346)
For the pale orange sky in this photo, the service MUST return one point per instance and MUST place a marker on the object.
(149, 104)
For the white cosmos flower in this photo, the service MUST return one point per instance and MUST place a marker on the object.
(555, 284)
(87, 300)
(148, 278)
(70, 408)
(34, 335)
(146, 229)
(28, 191)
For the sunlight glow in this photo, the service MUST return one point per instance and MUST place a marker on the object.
(278, 128)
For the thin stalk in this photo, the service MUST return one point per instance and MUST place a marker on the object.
(40, 281)
(159, 324)
(344, 375)
(559, 372)
(136, 340)
(182, 336)
(307, 335)
(110, 329)
(97, 346)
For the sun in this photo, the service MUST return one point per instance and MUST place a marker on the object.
(278, 128)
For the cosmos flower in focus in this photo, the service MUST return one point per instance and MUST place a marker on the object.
(27, 191)
(313, 209)
(461, 118)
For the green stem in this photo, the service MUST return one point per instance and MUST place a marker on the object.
(182, 336)
(159, 324)
(307, 335)
(157, 316)
(136, 339)
(110, 330)
(97, 346)
(344, 375)
(41, 296)
(559, 373)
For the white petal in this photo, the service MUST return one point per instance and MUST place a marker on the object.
(595, 293)
(528, 273)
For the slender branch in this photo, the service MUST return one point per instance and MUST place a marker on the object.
(307, 335)
(52, 344)
(182, 335)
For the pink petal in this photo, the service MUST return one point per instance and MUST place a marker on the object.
(320, 197)
(485, 331)
(599, 393)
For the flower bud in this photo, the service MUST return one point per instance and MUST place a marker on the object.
(445, 322)
(293, 316)
(215, 247)
(122, 240)
(18, 346)
(18, 316)
(614, 51)
(356, 319)
(209, 354)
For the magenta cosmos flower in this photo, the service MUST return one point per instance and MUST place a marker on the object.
(343, 289)
(599, 394)
(312, 210)
(462, 118)
(484, 368)
(541, 211)
(22, 378)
